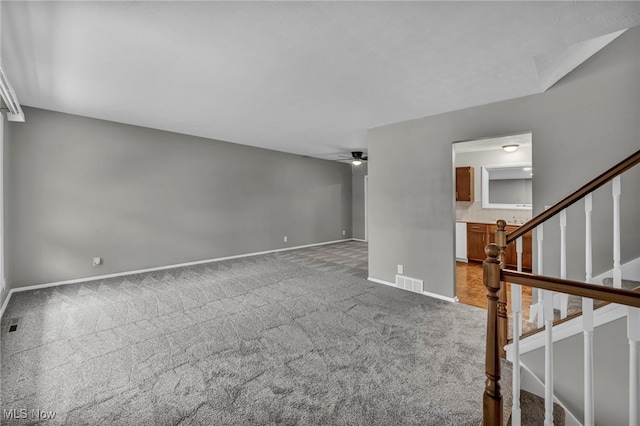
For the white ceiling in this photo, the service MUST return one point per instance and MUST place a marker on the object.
(490, 144)
(302, 77)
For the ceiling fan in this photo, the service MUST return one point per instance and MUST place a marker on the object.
(357, 157)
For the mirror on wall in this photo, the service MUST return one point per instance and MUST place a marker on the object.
(507, 186)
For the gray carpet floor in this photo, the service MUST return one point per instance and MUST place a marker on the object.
(297, 337)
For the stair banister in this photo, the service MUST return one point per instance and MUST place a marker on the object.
(492, 398)
(593, 291)
(587, 318)
(516, 308)
(503, 320)
(495, 279)
(596, 183)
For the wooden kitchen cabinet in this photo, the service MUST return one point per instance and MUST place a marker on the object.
(476, 241)
(464, 183)
(511, 256)
(480, 234)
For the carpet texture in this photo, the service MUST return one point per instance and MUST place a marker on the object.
(296, 337)
(532, 411)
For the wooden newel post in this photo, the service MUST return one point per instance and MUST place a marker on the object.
(492, 399)
(503, 321)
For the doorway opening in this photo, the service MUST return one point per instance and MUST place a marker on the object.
(493, 180)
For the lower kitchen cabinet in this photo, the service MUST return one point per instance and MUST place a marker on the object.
(481, 234)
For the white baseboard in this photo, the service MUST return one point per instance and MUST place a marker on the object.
(358, 239)
(376, 280)
(157, 268)
(441, 297)
(424, 293)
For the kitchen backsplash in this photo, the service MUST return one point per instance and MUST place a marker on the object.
(473, 212)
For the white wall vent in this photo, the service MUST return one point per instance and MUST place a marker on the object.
(411, 284)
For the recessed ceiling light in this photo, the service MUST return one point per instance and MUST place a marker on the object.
(511, 147)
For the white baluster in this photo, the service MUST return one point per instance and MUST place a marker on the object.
(519, 268)
(535, 309)
(516, 308)
(587, 317)
(617, 272)
(548, 357)
(519, 253)
(540, 238)
(633, 333)
(588, 248)
(587, 326)
(563, 298)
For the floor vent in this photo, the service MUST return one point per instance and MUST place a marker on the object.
(411, 284)
(13, 324)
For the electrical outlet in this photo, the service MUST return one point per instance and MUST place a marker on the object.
(97, 261)
(344, 232)
(285, 238)
(400, 269)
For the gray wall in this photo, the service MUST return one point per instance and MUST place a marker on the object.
(357, 207)
(142, 198)
(510, 191)
(583, 125)
(610, 369)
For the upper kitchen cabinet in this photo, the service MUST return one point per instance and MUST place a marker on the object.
(464, 183)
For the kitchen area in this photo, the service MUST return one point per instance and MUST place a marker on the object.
(493, 180)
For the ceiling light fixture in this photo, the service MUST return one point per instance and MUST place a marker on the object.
(356, 162)
(511, 147)
(9, 97)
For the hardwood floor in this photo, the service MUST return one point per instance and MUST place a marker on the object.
(471, 290)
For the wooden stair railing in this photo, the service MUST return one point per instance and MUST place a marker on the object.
(596, 183)
(495, 278)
